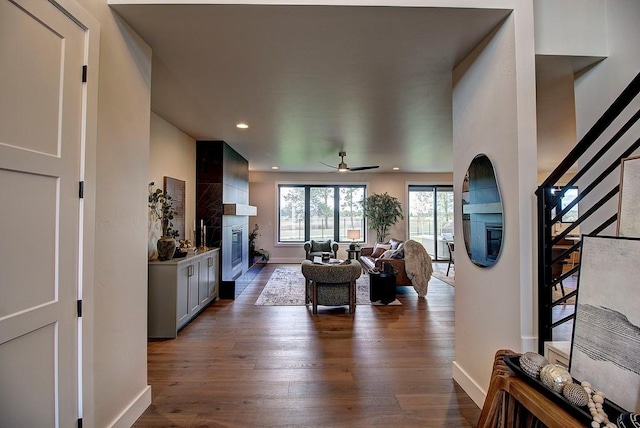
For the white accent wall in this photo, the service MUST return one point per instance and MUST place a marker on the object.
(172, 153)
(116, 392)
(597, 87)
(494, 114)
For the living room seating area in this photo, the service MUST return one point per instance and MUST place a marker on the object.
(372, 258)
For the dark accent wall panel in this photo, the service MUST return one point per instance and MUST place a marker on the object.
(222, 176)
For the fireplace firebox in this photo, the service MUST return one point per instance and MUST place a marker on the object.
(494, 241)
(236, 247)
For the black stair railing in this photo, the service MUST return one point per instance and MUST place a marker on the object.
(550, 210)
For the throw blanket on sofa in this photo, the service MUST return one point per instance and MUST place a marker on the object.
(417, 264)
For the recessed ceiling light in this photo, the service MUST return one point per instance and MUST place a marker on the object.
(274, 167)
(395, 168)
(242, 125)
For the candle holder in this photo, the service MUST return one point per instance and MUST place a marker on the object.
(203, 237)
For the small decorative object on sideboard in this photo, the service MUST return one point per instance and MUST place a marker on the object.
(555, 377)
(161, 208)
(531, 363)
(575, 394)
(628, 420)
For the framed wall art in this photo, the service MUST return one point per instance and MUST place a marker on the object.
(176, 189)
(629, 198)
(605, 348)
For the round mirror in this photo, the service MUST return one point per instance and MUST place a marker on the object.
(482, 212)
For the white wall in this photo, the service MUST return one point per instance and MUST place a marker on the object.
(118, 377)
(173, 154)
(263, 194)
(556, 113)
(567, 27)
(494, 114)
(599, 86)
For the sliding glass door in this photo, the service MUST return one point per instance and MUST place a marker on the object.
(431, 218)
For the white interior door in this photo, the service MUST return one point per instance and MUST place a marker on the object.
(41, 116)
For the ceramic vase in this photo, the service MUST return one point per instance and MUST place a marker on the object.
(166, 248)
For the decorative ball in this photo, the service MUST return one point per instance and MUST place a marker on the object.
(555, 377)
(628, 420)
(531, 363)
(575, 394)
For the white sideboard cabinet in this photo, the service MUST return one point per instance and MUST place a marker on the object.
(179, 289)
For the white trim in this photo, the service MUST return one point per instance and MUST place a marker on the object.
(133, 411)
(529, 343)
(494, 4)
(91, 26)
(470, 386)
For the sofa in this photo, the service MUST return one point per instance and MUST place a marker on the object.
(373, 257)
(316, 248)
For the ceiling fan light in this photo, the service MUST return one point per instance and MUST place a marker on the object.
(342, 167)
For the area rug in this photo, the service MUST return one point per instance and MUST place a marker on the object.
(442, 276)
(286, 288)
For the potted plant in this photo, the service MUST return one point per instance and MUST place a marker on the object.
(252, 239)
(382, 211)
(161, 208)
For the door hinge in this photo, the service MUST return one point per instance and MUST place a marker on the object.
(79, 308)
(81, 190)
(84, 74)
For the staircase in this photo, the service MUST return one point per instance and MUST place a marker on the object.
(594, 171)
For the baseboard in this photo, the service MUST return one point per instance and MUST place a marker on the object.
(135, 409)
(529, 344)
(472, 389)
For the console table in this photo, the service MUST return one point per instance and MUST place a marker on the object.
(179, 289)
(511, 402)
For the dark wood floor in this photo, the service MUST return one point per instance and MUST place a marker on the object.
(240, 365)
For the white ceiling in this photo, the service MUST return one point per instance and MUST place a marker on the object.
(312, 80)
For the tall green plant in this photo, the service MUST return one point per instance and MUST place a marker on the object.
(382, 212)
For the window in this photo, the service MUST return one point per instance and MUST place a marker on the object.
(568, 197)
(431, 218)
(319, 212)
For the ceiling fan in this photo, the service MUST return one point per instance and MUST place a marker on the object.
(342, 167)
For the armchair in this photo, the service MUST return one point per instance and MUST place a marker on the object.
(316, 248)
(331, 285)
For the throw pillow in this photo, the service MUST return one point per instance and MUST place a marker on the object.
(387, 254)
(398, 254)
(379, 249)
(326, 245)
(395, 243)
(317, 246)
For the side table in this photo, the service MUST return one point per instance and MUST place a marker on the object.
(382, 286)
(353, 254)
